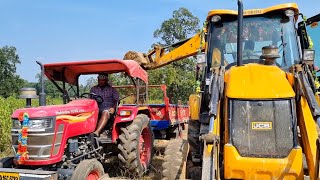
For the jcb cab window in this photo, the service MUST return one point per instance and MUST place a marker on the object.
(258, 32)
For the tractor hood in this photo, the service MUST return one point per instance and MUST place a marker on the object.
(72, 108)
(256, 81)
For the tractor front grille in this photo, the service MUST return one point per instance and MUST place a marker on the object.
(262, 128)
(40, 143)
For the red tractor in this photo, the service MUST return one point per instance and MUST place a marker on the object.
(57, 141)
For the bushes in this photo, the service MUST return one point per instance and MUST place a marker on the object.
(7, 107)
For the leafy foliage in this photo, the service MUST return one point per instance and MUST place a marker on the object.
(10, 82)
(181, 25)
(50, 88)
(179, 76)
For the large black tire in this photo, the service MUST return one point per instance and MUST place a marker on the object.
(88, 169)
(193, 168)
(6, 162)
(175, 158)
(136, 146)
(193, 136)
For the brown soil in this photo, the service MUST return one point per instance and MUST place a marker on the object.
(137, 56)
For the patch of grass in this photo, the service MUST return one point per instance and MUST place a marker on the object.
(8, 152)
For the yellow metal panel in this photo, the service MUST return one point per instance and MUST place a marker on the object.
(290, 78)
(252, 12)
(309, 135)
(194, 101)
(256, 81)
(317, 98)
(237, 167)
(142, 108)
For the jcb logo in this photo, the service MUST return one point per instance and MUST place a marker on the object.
(261, 125)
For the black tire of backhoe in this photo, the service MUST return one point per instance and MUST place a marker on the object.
(129, 141)
(84, 168)
(193, 136)
(174, 158)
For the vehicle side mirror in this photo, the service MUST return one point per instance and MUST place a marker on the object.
(201, 59)
(308, 56)
(201, 64)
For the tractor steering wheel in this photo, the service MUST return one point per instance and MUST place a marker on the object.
(94, 96)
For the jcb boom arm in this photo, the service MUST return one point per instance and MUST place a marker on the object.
(313, 19)
(161, 56)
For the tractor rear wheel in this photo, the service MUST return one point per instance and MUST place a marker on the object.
(136, 145)
(175, 158)
(90, 169)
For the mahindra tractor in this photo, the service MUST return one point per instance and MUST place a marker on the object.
(255, 113)
(57, 141)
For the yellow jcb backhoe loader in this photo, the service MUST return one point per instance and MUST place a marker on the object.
(255, 114)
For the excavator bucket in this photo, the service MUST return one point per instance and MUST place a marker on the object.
(141, 58)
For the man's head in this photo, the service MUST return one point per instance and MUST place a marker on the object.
(102, 79)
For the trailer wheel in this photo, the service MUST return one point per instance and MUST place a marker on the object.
(175, 158)
(136, 145)
(88, 170)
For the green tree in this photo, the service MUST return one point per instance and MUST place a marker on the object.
(10, 82)
(89, 84)
(50, 89)
(181, 25)
(179, 76)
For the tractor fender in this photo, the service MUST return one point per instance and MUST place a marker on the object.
(119, 121)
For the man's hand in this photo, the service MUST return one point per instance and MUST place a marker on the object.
(111, 110)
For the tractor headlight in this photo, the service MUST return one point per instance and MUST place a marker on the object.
(289, 13)
(39, 124)
(16, 124)
(215, 18)
(125, 113)
(34, 124)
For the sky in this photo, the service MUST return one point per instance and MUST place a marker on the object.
(60, 30)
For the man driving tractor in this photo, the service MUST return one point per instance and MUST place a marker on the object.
(110, 97)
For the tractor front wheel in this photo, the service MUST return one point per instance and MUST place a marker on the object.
(88, 170)
(136, 145)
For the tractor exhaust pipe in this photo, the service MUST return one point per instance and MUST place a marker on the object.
(42, 94)
(240, 32)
